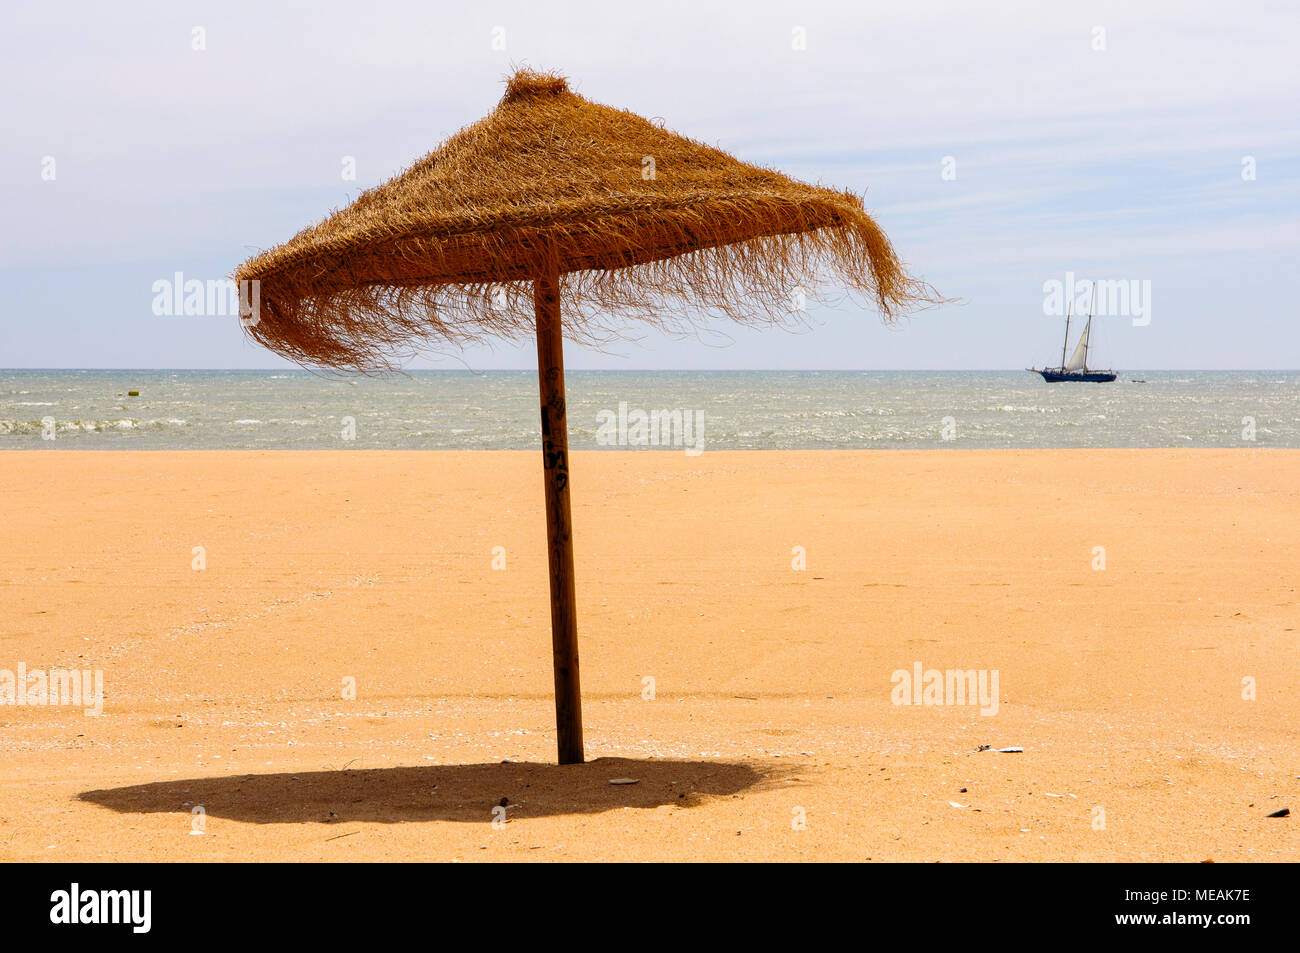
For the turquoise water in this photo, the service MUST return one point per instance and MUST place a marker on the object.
(766, 410)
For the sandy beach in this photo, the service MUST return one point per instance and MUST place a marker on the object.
(348, 676)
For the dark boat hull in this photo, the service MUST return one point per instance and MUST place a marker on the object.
(1091, 377)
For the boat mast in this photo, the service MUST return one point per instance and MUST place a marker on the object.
(1087, 328)
(1066, 342)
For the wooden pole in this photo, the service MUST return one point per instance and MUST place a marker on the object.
(559, 526)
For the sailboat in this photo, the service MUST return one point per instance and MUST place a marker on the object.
(1076, 368)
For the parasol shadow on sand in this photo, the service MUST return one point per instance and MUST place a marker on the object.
(557, 217)
(465, 792)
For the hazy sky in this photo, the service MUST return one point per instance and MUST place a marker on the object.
(1107, 139)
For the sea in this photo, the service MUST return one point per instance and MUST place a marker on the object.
(643, 410)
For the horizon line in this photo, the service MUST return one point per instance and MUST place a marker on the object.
(651, 370)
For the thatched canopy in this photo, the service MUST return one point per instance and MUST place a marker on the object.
(640, 223)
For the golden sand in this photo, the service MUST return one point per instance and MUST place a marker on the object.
(769, 729)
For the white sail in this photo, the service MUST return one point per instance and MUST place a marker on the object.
(1079, 359)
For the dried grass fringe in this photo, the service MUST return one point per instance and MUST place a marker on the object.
(447, 252)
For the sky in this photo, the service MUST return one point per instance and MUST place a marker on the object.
(1000, 145)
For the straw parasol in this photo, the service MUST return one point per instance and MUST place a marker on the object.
(554, 198)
